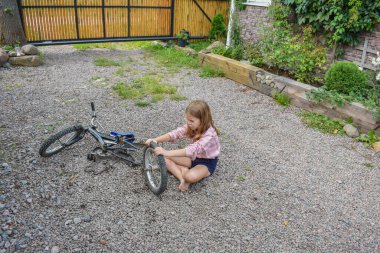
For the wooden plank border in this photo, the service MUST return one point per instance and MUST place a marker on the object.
(266, 83)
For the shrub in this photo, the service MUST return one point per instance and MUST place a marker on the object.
(346, 78)
(253, 54)
(218, 29)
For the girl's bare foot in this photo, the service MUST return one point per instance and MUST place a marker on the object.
(183, 186)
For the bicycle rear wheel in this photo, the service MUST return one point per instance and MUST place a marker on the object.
(155, 171)
(61, 140)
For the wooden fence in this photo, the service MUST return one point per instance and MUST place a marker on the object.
(74, 20)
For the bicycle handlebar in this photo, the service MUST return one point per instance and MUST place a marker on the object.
(93, 106)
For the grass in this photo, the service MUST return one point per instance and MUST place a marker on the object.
(199, 45)
(13, 86)
(281, 99)
(369, 165)
(142, 103)
(122, 70)
(208, 72)
(98, 81)
(177, 97)
(322, 123)
(143, 88)
(113, 45)
(106, 62)
(171, 58)
(241, 178)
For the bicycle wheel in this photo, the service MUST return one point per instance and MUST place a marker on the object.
(155, 171)
(61, 140)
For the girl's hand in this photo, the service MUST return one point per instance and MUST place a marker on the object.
(160, 151)
(148, 141)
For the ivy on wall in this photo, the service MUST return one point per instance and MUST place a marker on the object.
(340, 20)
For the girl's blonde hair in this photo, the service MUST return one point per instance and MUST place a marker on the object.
(200, 110)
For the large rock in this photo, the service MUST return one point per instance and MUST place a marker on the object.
(30, 50)
(3, 57)
(351, 131)
(27, 60)
(212, 46)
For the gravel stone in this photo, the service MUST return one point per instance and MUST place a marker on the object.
(279, 185)
(54, 249)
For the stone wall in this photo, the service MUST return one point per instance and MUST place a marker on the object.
(355, 55)
(254, 18)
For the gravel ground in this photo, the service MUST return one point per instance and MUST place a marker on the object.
(279, 186)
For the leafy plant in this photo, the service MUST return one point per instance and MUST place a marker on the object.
(240, 5)
(281, 98)
(253, 54)
(368, 139)
(235, 31)
(11, 47)
(340, 21)
(182, 36)
(322, 123)
(285, 48)
(230, 52)
(332, 97)
(346, 78)
(218, 29)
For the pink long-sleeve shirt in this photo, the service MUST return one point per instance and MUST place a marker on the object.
(207, 146)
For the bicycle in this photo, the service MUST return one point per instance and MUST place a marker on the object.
(118, 144)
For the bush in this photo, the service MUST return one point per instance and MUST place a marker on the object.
(218, 29)
(346, 78)
(253, 54)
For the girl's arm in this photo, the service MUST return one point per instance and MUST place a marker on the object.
(171, 136)
(162, 138)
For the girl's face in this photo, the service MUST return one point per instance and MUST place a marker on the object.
(192, 122)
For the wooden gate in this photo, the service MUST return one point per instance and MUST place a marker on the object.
(79, 21)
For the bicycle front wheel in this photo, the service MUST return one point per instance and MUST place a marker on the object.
(155, 171)
(61, 140)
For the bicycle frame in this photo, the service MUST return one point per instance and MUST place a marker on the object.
(107, 142)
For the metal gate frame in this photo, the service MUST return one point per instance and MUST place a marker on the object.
(105, 38)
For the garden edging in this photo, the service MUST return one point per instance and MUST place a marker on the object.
(266, 82)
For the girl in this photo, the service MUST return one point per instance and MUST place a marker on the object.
(198, 160)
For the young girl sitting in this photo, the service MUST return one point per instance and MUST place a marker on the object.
(198, 160)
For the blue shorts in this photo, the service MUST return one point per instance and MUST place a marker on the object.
(209, 163)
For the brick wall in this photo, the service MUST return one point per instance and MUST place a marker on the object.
(254, 18)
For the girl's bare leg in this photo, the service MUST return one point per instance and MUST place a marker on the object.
(194, 175)
(178, 166)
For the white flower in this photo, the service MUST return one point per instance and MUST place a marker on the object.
(378, 76)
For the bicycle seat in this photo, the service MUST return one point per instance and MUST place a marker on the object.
(130, 137)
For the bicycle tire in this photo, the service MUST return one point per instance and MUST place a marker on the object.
(156, 182)
(73, 135)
